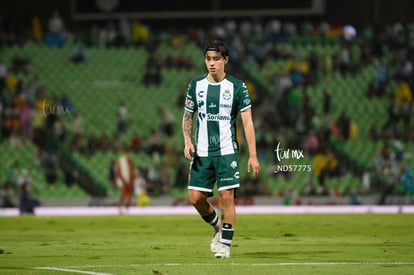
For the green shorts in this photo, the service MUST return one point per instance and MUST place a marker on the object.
(206, 171)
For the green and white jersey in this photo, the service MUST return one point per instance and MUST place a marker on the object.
(217, 106)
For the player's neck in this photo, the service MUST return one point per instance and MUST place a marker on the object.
(216, 77)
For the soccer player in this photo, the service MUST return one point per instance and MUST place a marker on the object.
(217, 98)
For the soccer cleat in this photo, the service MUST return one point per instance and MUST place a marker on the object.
(215, 242)
(223, 252)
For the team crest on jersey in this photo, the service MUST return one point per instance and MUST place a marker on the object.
(226, 94)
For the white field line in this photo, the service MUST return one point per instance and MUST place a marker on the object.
(189, 210)
(224, 263)
(71, 270)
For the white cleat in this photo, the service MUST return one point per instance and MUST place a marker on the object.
(215, 242)
(223, 252)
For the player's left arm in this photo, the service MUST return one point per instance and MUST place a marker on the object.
(250, 135)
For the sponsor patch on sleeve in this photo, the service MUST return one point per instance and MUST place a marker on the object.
(189, 104)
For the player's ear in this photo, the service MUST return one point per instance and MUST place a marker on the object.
(226, 59)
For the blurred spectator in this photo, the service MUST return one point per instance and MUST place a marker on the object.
(344, 123)
(403, 93)
(387, 174)
(55, 36)
(327, 66)
(79, 54)
(122, 117)
(319, 166)
(353, 129)
(327, 102)
(3, 75)
(50, 165)
(125, 30)
(70, 173)
(404, 71)
(153, 143)
(306, 29)
(374, 132)
(9, 184)
(167, 120)
(289, 28)
(333, 168)
(281, 82)
(140, 33)
(323, 28)
(25, 121)
(77, 125)
(12, 175)
(272, 29)
(15, 138)
(59, 129)
(140, 188)
(310, 143)
(38, 124)
(382, 79)
(393, 110)
(65, 105)
(354, 198)
(36, 29)
(115, 143)
(111, 173)
(152, 75)
(366, 181)
(6, 195)
(135, 143)
(294, 101)
(344, 60)
(27, 203)
(407, 179)
(372, 90)
(313, 70)
(125, 175)
(154, 175)
(246, 29)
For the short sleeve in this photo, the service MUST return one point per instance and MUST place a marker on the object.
(190, 99)
(244, 97)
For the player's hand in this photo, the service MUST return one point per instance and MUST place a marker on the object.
(189, 151)
(253, 166)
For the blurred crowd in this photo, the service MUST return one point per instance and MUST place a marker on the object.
(294, 121)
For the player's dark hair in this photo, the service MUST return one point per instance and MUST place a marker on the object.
(217, 46)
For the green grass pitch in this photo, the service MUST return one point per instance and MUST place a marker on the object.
(179, 244)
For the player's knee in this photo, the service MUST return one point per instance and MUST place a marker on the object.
(226, 198)
(193, 201)
(196, 200)
(196, 197)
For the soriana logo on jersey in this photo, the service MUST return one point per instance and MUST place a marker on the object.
(217, 117)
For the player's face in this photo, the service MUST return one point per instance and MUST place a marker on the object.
(215, 62)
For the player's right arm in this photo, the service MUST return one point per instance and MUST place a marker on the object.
(187, 126)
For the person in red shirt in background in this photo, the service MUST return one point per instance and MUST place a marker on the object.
(125, 175)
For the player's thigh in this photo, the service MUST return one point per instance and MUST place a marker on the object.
(202, 174)
(228, 172)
